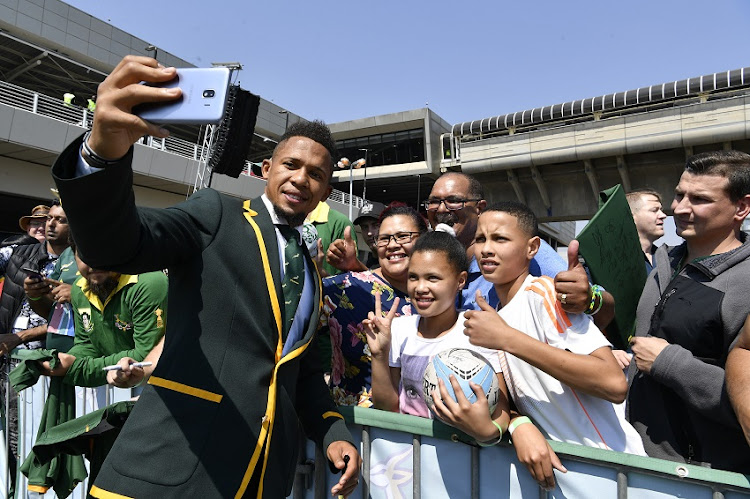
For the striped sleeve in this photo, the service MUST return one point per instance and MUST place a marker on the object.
(574, 332)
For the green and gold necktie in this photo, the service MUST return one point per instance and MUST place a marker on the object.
(294, 274)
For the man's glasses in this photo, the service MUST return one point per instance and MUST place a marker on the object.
(400, 238)
(451, 204)
(36, 223)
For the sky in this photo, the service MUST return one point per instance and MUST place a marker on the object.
(340, 60)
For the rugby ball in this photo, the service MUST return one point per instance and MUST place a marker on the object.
(466, 365)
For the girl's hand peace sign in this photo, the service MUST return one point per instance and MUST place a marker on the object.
(378, 327)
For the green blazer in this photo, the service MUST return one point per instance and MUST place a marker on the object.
(220, 415)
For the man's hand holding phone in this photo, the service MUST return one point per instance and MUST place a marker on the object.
(115, 127)
(34, 284)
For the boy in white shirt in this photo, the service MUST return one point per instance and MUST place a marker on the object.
(558, 367)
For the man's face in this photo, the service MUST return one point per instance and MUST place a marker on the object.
(97, 280)
(463, 221)
(57, 226)
(36, 229)
(369, 227)
(298, 178)
(649, 218)
(703, 211)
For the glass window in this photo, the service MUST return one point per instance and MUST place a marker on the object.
(406, 146)
(389, 156)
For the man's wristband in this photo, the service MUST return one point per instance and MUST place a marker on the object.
(597, 300)
(494, 441)
(93, 159)
(518, 422)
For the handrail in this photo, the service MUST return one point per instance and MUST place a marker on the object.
(434, 447)
(433, 428)
(44, 105)
(596, 471)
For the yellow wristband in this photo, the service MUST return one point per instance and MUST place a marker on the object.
(518, 422)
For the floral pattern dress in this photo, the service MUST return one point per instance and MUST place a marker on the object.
(347, 299)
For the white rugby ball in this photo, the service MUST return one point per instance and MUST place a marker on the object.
(466, 365)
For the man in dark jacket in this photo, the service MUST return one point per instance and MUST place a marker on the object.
(20, 326)
(18, 322)
(689, 315)
(219, 417)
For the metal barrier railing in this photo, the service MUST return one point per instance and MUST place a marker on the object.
(408, 456)
(30, 406)
(43, 105)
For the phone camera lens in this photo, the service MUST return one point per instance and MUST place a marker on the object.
(208, 93)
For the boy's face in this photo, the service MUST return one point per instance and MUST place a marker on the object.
(503, 250)
(433, 283)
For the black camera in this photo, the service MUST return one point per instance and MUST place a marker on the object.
(208, 94)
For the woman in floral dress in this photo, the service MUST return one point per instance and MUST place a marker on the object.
(348, 297)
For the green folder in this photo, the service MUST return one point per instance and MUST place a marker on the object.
(609, 244)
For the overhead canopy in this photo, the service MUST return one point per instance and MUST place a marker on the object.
(727, 80)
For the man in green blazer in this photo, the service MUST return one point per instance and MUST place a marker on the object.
(219, 417)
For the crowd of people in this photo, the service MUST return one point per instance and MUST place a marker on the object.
(273, 318)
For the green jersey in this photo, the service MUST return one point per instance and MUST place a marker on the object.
(128, 324)
(66, 269)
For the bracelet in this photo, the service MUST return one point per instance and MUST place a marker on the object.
(93, 159)
(518, 422)
(600, 295)
(496, 440)
(596, 297)
(33, 299)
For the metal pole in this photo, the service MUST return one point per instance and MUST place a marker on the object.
(364, 183)
(366, 461)
(622, 485)
(475, 473)
(351, 189)
(416, 466)
(419, 189)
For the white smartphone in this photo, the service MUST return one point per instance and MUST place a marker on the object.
(204, 96)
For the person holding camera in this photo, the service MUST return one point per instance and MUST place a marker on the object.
(239, 364)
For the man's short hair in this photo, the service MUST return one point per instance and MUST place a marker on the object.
(475, 186)
(635, 197)
(314, 130)
(526, 219)
(733, 165)
(442, 242)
